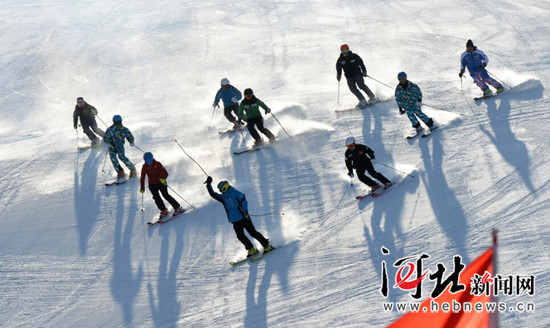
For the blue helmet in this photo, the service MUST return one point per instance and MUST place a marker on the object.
(148, 157)
(223, 186)
(402, 75)
(117, 119)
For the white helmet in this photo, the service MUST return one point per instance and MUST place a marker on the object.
(350, 141)
(224, 81)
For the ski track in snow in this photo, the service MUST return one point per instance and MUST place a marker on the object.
(78, 254)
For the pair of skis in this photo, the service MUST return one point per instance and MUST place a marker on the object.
(380, 192)
(491, 95)
(424, 135)
(117, 182)
(164, 219)
(252, 259)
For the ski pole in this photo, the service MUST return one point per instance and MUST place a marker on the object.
(104, 161)
(193, 207)
(509, 87)
(370, 77)
(191, 158)
(102, 121)
(142, 209)
(393, 168)
(461, 89)
(211, 117)
(338, 92)
(138, 148)
(282, 126)
(351, 180)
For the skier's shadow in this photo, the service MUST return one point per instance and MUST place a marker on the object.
(167, 312)
(512, 150)
(446, 207)
(125, 281)
(87, 202)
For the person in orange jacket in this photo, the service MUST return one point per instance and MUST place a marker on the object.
(157, 175)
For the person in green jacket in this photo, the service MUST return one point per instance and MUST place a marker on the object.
(251, 107)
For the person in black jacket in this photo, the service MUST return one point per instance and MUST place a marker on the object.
(87, 114)
(354, 70)
(359, 157)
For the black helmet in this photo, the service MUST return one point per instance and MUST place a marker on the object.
(248, 91)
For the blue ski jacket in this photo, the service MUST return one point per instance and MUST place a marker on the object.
(473, 61)
(226, 95)
(115, 134)
(234, 202)
(408, 95)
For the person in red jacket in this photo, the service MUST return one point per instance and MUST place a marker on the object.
(157, 175)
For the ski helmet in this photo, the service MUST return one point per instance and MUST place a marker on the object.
(224, 81)
(350, 141)
(402, 75)
(223, 186)
(79, 100)
(117, 119)
(344, 47)
(148, 157)
(248, 92)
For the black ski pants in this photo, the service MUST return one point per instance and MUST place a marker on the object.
(370, 169)
(229, 111)
(88, 127)
(162, 189)
(259, 122)
(246, 224)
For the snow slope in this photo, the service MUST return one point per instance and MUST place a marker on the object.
(76, 254)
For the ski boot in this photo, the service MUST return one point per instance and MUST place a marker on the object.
(251, 252)
(500, 90)
(268, 248)
(418, 128)
(387, 185)
(163, 213)
(362, 103)
(487, 92)
(258, 142)
(373, 188)
(133, 172)
(121, 174)
(178, 210)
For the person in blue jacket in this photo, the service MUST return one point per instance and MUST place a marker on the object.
(114, 137)
(409, 99)
(476, 61)
(230, 97)
(236, 208)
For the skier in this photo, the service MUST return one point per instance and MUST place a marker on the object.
(87, 114)
(251, 107)
(476, 61)
(359, 157)
(409, 99)
(230, 97)
(114, 138)
(236, 208)
(354, 70)
(157, 175)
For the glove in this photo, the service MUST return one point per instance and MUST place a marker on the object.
(338, 77)
(401, 111)
(461, 73)
(234, 99)
(141, 190)
(373, 160)
(365, 73)
(267, 110)
(418, 104)
(75, 127)
(132, 144)
(94, 111)
(214, 105)
(483, 65)
(208, 180)
(163, 181)
(246, 215)
(350, 174)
